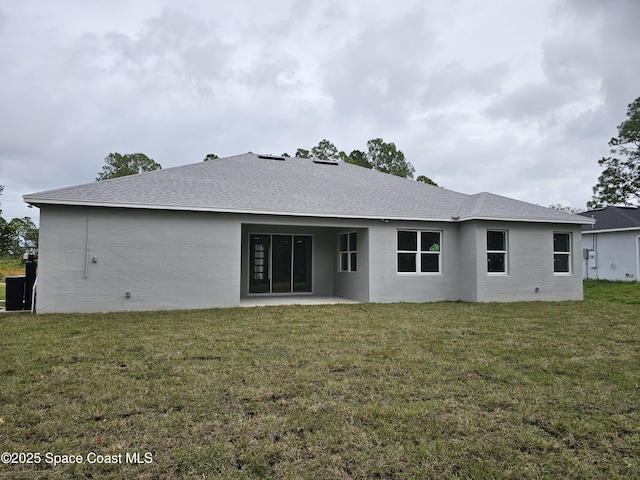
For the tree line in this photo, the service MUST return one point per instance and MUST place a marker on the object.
(380, 155)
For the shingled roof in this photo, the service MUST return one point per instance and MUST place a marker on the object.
(613, 218)
(261, 184)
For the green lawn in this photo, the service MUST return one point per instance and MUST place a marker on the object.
(400, 391)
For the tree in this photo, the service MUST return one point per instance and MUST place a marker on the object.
(211, 156)
(381, 156)
(325, 150)
(427, 180)
(128, 164)
(619, 182)
(562, 208)
(17, 237)
(386, 158)
(302, 153)
(1, 190)
(357, 157)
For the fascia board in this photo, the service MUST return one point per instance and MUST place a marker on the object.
(586, 221)
(78, 203)
(611, 230)
(37, 201)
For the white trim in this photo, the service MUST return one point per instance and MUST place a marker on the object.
(587, 221)
(419, 252)
(611, 230)
(568, 254)
(348, 252)
(505, 251)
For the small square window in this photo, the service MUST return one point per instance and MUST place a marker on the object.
(408, 241)
(496, 240)
(430, 241)
(430, 263)
(406, 262)
(496, 263)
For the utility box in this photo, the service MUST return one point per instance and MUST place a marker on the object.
(15, 292)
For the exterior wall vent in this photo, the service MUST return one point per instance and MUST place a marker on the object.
(271, 157)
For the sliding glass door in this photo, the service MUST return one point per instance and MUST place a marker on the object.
(280, 263)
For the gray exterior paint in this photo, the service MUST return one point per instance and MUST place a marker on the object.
(107, 246)
(616, 255)
(612, 244)
(89, 259)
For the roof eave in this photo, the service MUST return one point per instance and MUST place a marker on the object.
(586, 221)
(612, 230)
(37, 201)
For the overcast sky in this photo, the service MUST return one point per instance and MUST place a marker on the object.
(517, 98)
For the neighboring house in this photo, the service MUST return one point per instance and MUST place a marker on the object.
(611, 246)
(214, 234)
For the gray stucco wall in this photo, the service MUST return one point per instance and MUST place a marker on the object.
(468, 238)
(530, 264)
(387, 285)
(90, 258)
(353, 285)
(617, 255)
(464, 276)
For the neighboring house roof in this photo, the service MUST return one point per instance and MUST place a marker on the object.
(612, 218)
(252, 183)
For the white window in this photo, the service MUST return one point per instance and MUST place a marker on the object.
(349, 252)
(562, 252)
(496, 251)
(419, 252)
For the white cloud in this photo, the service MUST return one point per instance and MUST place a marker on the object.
(517, 98)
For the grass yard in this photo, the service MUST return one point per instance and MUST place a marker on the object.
(399, 391)
(8, 267)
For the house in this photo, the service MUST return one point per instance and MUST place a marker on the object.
(612, 244)
(217, 233)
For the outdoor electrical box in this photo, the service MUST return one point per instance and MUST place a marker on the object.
(592, 259)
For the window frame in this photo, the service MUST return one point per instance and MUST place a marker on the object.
(419, 252)
(349, 250)
(568, 254)
(504, 252)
